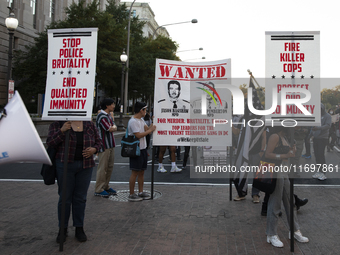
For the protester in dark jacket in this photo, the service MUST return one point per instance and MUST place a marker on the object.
(84, 142)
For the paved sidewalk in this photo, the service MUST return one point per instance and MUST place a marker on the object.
(184, 220)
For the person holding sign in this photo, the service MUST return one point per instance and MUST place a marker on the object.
(277, 153)
(84, 142)
(138, 165)
(106, 127)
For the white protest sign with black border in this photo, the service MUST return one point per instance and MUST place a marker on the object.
(188, 98)
(292, 63)
(71, 69)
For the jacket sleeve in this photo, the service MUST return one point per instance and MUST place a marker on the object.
(55, 136)
(104, 122)
(98, 141)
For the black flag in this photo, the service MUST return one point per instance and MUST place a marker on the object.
(248, 137)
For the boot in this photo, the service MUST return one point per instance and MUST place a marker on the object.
(59, 235)
(80, 234)
(300, 202)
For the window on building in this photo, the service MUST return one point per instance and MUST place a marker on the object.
(10, 3)
(52, 10)
(33, 5)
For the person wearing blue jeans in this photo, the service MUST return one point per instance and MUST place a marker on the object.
(83, 143)
(78, 181)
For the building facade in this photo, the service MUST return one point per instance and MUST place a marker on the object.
(33, 16)
(144, 12)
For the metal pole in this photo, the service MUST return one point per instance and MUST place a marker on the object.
(291, 202)
(152, 169)
(191, 21)
(291, 215)
(121, 125)
(10, 57)
(231, 151)
(127, 62)
(64, 189)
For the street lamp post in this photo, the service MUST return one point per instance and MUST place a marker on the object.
(189, 50)
(127, 62)
(191, 21)
(123, 59)
(193, 59)
(11, 24)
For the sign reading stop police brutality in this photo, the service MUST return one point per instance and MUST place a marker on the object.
(293, 76)
(70, 74)
(188, 98)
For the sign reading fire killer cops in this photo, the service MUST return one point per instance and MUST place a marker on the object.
(70, 74)
(190, 102)
(293, 78)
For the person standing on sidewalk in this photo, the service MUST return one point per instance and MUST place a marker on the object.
(320, 141)
(106, 126)
(84, 142)
(278, 152)
(174, 168)
(138, 165)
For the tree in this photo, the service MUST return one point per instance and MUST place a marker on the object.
(143, 62)
(30, 66)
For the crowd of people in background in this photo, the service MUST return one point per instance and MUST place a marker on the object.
(89, 141)
(281, 149)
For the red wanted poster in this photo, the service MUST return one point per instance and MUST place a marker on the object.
(293, 75)
(70, 74)
(192, 103)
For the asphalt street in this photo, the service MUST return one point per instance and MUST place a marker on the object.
(121, 172)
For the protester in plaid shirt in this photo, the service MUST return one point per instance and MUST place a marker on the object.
(84, 142)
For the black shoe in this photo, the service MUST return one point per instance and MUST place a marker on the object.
(300, 202)
(80, 234)
(59, 235)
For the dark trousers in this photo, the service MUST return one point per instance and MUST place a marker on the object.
(78, 181)
(319, 146)
(186, 155)
(307, 145)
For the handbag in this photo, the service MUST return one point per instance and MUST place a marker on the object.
(130, 145)
(265, 177)
(49, 173)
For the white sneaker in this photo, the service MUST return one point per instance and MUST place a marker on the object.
(175, 169)
(299, 237)
(316, 175)
(275, 241)
(322, 177)
(161, 169)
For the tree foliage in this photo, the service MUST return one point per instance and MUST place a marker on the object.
(331, 97)
(30, 65)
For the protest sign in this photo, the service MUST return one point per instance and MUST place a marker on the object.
(189, 100)
(70, 74)
(293, 63)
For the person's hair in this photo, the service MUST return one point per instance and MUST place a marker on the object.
(106, 102)
(139, 106)
(174, 82)
(277, 129)
(147, 116)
